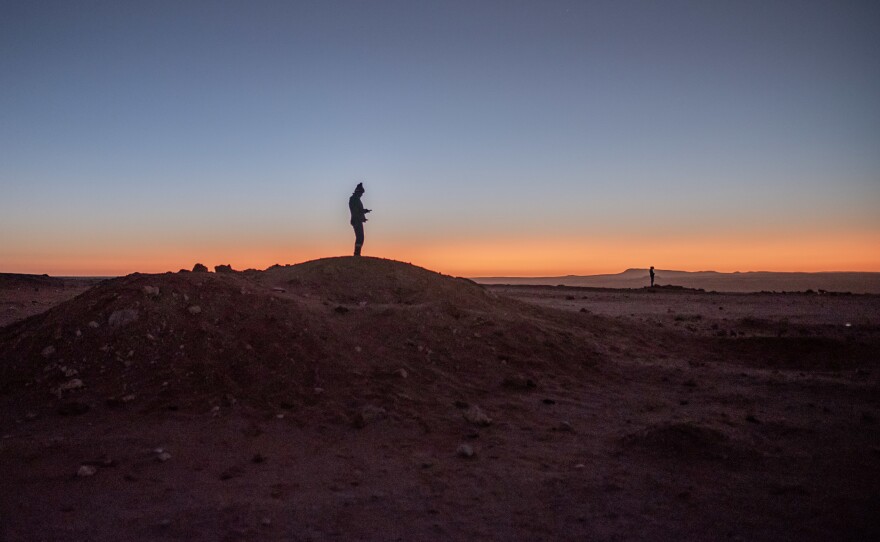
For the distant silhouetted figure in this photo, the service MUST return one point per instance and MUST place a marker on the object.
(358, 217)
(652, 276)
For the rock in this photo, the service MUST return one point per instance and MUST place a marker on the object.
(163, 457)
(340, 309)
(194, 309)
(566, 427)
(223, 269)
(86, 470)
(73, 384)
(122, 317)
(199, 268)
(278, 289)
(151, 291)
(476, 416)
(369, 414)
(94, 325)
(401, 373)
(48, 351)
(464, 450)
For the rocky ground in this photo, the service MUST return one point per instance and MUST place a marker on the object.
(366, 399)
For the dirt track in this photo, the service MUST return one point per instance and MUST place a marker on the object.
(666, 415)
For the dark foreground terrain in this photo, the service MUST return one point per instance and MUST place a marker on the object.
(366, 399)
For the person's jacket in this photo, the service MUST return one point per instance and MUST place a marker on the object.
(357, 209)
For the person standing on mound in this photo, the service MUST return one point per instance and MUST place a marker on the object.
(652, 276)
(358, 217)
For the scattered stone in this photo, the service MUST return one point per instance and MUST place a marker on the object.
(566, 427)
(199, 268)
(278, 289)
(369, 414)
(128, 398)
(69, 371)
(163, 457)
(151, 291)
(86, 471)
(73, 384)
(104, 461)
(401, 373)
(580, 466)
(476, 416)
(48, 351)
(362, 304)
(79, 333)
(464, 450)
(584, 309)
(231, 472)
(194, 309)
(265, 522)
(340, 309)
(122, 317)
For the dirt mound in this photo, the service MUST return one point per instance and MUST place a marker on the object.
(341, 333)
(18, 280)
(374, 280)
(683, 440)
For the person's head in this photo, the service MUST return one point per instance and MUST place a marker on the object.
(652, 268)
(359, 189)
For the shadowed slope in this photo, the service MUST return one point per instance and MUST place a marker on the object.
(330, 330)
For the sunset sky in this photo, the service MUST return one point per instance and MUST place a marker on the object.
(493, 137)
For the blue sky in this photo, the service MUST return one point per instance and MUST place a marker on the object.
(146, 135)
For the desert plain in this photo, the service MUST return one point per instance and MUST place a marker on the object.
(369, 399)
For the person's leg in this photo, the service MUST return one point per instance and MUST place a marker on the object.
(358, 238)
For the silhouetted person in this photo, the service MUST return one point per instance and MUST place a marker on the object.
(358, 217)
(652, 276)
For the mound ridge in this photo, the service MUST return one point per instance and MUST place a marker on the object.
(334, 332)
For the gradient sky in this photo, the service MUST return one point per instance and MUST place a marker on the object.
(493, 137)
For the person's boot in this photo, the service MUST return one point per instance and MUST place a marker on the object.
(357, 249)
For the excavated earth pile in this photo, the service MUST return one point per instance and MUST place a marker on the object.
(349, 329)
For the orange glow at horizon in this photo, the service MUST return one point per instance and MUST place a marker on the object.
(504, 257)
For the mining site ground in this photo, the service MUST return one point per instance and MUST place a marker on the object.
(347, 399)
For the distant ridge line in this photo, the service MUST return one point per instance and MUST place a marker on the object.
(860, 282)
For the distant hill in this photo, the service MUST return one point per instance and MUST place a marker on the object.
(752, 281)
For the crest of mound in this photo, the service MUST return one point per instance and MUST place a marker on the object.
(375, 280)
